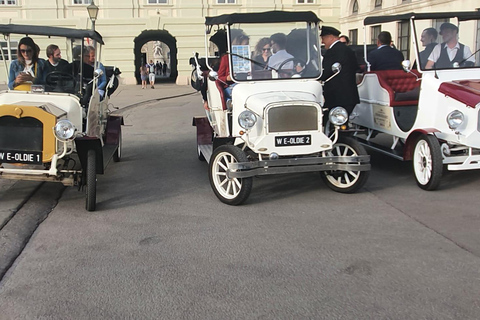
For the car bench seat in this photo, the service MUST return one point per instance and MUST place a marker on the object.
(403, 88)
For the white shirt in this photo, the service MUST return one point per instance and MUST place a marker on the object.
(452, 52)
(278, 58)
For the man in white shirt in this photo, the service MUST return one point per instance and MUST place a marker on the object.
(278, 43)
(444, 55)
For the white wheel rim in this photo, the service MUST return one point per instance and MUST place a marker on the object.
(229, 188)
(422, 162)
(342, 179)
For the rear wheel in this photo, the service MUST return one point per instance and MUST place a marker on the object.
(231, 191)
(345, 181)
(91, 181)
(427, 162)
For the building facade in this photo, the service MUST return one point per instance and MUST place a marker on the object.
(127, 25)
(353, 12)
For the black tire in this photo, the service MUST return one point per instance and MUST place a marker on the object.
(91, 181)
(117, 156)
(230, 191)
(345, 181)
(427, 162)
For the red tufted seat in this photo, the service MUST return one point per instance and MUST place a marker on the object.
(403, 88)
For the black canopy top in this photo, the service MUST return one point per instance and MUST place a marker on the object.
(263, 17)
(461, 15)
(50, 31)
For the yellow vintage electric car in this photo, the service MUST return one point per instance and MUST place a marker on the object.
(59, 127)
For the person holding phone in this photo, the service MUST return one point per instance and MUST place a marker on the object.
(27, 69)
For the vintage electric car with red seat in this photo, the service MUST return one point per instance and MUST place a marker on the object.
(428, 114)
(273, 122)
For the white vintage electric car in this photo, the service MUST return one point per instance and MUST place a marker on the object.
(58, 129)
(428, 114)
(273, 122)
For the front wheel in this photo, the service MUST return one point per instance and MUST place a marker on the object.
(91, 181)
(345, 181)
(427, 162)
(232, 191)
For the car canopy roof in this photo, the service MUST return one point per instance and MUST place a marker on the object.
(263, 17)
(461, 15)
(7, 29)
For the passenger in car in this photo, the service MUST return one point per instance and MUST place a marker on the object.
(102, 80)
(262, 53)
(278, 42)
(28, 68)
(385, 57)
(446, 54)
(55, 61)
(429, 41)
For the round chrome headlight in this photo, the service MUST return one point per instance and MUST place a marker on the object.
(338, 116)
(247, 119)
(64, 130)
(455, 119)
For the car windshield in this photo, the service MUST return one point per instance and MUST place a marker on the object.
(274, 51)
(447, 44)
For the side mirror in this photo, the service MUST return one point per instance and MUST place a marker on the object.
(406, 65)
(98, 73)
(336, 67)
(213, 75)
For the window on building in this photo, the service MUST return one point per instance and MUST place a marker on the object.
(355, 6)
(403, 41)
(157, 1)
(305, 1)
(378, 3)
(226, 1)
(436, 24)
(374, 32)
(82, 1)
(4, 48)
(8, 2)
(353, 35)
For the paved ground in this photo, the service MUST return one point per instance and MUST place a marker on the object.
(161, 246)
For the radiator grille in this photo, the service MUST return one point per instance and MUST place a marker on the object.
(24, 134)
(292, 118)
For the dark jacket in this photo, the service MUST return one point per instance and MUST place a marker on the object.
(385, 58)
(342, 89)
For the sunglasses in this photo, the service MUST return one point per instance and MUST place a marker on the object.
(266, 49)
(26, 51)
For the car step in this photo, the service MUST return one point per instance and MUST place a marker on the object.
(397, 154)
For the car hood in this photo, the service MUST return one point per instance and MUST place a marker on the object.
(256, 96)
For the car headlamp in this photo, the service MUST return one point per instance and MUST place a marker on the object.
(64, 130)
(247, 119)
(338, 116)
(455, 119)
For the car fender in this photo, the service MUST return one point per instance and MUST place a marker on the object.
(412, 138)
(86, 143)
(113, 129)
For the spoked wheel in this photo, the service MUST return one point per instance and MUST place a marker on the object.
(231, 191)
(117, 156)
(91, 181)
(427, 162)
(345, 181)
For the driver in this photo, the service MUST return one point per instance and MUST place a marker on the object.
(278, 43)
(444, 55)
(55, 61)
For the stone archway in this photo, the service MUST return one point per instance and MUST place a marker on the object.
(156, 35)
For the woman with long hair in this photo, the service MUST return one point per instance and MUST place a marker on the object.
(261, 54)
(27, 69)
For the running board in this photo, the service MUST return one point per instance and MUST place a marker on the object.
(206, 150)
(397, 154)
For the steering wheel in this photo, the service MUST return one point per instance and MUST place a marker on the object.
(298, 67)
(61, 81)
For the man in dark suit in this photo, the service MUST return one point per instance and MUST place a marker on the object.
(341, 90)
(385, 57)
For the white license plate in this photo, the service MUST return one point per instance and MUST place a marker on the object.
(293, 141)
(30, 157)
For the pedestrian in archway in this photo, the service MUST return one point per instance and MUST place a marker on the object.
(144, 75)
(151, 73)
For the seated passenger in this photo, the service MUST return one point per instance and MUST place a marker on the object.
(263, 52)
(385, 57)
(28, 68)
(55, 61)
(444, 55)
(429, 41)
(224, 69)
(102, 80)
(278, 42)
